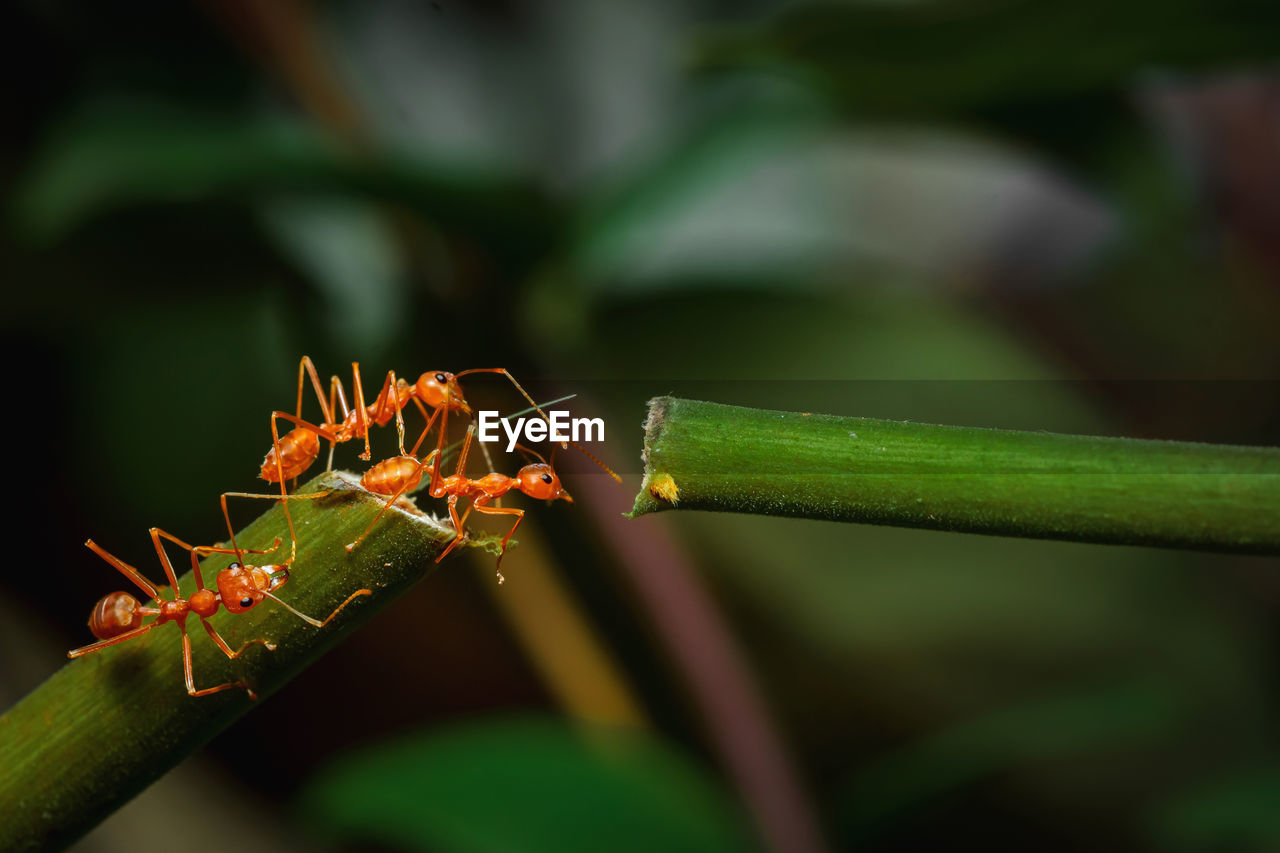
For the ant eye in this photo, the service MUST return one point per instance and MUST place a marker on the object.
(546, 478)
(441, 378)
(234, 566)
(246, 602)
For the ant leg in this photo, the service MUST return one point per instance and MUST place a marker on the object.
(382, 398)
(284, 497)
(484, 450)
(327, 410)
(311, 620)
(480, 506)
(217, 549)
(391, 500)
(128, 571)
(102, 644)
(437, 482)
(395, 392)
(461, 470)
(460, 475)
(309, 496)
(336, 394)
(362, 411)
(322, 431)
(204, 549)
(389, 396)
(336, 390)
(214, 549)
(431, 420)
(523, 393)
(190, 676)
(436, 487)
(507, 373)
(460, 530)
(310, 368)
(226, 649)
(236, 549)
(156, 533)
(421, 407)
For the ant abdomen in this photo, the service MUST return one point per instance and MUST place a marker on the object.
(298, 449)
(397, 474)
(114, 615)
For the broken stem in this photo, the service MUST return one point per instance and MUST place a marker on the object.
(1112, 490)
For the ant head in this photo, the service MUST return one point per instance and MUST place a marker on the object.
(540, 481)
(438, 389)
(114, 615)
(241, 587)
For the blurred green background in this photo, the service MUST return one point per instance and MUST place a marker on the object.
(981, 212)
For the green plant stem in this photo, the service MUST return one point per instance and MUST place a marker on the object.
(105, 726)
(1113, 490)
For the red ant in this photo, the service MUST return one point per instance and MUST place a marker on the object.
(117, 618)
(537, 480)
(400, 474)
(293, 454)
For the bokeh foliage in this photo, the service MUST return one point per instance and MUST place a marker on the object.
(1006, 214)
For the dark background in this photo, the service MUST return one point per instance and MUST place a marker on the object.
(1010, 214)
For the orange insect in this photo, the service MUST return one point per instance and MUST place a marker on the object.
(295, 452)
(117, 618)
(400, 474)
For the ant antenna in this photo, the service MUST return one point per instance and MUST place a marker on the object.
(311, 620)
(593, 458)
(529, 451)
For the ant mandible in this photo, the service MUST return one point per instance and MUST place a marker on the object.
(117, 618)
(537, 480)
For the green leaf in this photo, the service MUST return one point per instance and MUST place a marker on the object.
(1057, 75)
(116, 156)
(1101, 719)
(524, 784)
(920, 58)
(1241, 813)
(765, 199)
(351, 255)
